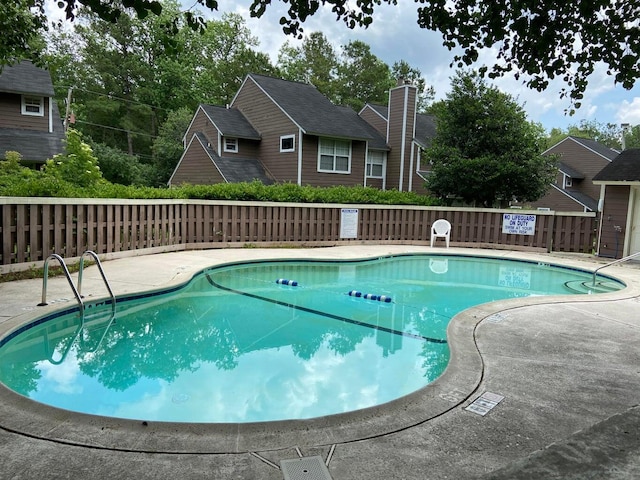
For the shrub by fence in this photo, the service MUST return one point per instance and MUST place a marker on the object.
(34, 228)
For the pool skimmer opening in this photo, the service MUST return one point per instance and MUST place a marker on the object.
(305, 468)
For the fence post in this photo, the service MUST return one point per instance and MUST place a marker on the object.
(550, 229)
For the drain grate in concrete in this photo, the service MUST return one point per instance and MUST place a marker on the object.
(305, 468)
(485, 403)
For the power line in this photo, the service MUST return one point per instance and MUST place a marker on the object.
(117, 129)
(111, 97)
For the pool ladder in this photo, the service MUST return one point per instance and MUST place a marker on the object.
(76, 291)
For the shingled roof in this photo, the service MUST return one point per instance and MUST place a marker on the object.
(581, 198)
(34, 145)
(425, 129)
(624, 168)
(25, 77)
(230, 122)
(377, 141)
(572, 172)
(381, 110)
(310, 110)
(235, 170)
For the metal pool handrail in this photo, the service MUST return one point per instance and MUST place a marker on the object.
(66, 273)
(620, 260)
(104, 277)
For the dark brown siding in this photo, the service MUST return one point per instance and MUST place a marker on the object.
(614, 214)
(418, 185)
(584, 161)
(374, 183)
(196, 168)
(11, 114)
(202, 124)
(556, 200)
(311, 176)
(248, 148)
(271, 123)
(375, 120)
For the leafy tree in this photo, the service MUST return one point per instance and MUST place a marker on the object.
(608, 134)
(426, 94)
(353, 78)
(11, 163)
(314, 62)
(536, 39)
(21, 31)
(224, 55)
(485, 151)
(13, 172)
(555, 136)
(168, 147)
(631, 136)
(121, 168)
(77, 165)
(362, 77)
(125, 77)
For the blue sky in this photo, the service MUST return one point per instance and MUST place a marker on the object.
(395, 35)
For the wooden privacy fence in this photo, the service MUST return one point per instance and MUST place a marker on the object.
(34, 228)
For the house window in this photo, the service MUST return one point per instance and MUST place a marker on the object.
(33, 105)
(375, 164)
(231, 145)
(287, 143)
(334, 156)
(568, 181)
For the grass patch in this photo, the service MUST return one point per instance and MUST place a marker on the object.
(30, 274)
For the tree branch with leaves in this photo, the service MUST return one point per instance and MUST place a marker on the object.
(541, 40)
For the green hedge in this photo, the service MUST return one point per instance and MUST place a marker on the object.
(30, 183)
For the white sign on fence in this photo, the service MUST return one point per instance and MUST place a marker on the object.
(349, 223)
(518, 224)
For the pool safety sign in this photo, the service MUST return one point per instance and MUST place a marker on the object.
(349, 223)
(518, 224)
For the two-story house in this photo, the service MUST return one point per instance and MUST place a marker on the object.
(30, 123)
(580, 159)
(277, 130)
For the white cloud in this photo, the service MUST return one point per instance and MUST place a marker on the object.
(276, 383)
(629, 112)
(61, 378)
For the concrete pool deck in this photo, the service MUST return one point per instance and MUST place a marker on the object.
(568, 368)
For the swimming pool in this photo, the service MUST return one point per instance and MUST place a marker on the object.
(258, 350)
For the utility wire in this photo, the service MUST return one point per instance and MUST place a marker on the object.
(117, 129)
(110, 96)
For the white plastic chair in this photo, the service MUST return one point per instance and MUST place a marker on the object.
(441, 228)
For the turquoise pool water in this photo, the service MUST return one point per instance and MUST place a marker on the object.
(239, 344)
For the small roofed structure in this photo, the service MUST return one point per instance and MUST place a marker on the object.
(619, 205)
